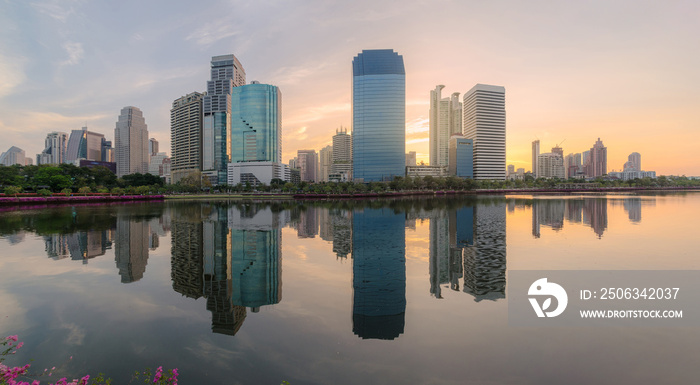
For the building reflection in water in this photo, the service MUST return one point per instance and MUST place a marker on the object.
(336, 227)
(379, 273)
(79, 246)
(592, 212)
(451, 231)
(229, 255)
(485, 261)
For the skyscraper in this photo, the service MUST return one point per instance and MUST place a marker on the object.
(485, 123)
(54, 149)
(307, 162)
(635, 160)
(598, 165)
(535, 153)
(445, 121)
(14, 155)
(84, 144)
(342, 154)
(325, 161)
(226, 73)
(152, 146)
(186, 135)
(256, 123)
(379, 115)
(461, 162)
(131, 142)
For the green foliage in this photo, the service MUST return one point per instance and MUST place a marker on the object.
(12, 190)
(67, 192)
(44, 192)
(84, 190)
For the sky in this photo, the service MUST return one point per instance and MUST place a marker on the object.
(627, 71)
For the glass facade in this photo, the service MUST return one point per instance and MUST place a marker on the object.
(379, 115)
(256, 123)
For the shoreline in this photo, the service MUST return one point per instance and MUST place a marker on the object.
(62, 200)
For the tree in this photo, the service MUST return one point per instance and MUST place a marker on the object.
(84, 190)
(13, 190)
(67, 192)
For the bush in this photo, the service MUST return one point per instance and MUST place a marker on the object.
(67, 192)
(84, 190)
(12, 190)
(44, 192)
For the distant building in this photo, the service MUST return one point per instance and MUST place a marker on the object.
(632, 174)
(111, 166)
(550, 166)
(54, 151)
(485, 123)
(411, 158)
(635, 161)
(423, 171)
(445, 121)
(84, 144)
(461, 156)
(598, 161)
(325, 162)
(307, 162)
(14, 155)
(131, 142)
(379, 115)
(342, 154)
(535, 154)
(159, 164)
(186, 135)
(152, 146)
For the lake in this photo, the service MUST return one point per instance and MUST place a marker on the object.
(344, 292)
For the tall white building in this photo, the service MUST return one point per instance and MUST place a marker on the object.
(445, 120)
(14, 155)
(342, 154)
(54, 149)
(535, 153)
(131, 142)
(485, 123)
(326, 161)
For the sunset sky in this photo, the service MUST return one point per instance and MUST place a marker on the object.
(625, 71)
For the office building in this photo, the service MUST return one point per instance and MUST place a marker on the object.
(107, 151)
(256, 123)
(325, 162)
(84, 144)
(159, 165)
(54, 151)
(131, 142)
(445, 121)
(379, 115)
(635, 161)
(411, 158)
(423, 171)
(485, 123)
(186, 135)
(461, 157)
(598, 160)
(550, 165)
(342, 154)
(535, 154)
(226, 73)
(256, 173)
(14, 155)
(152, 146)
(307, 163)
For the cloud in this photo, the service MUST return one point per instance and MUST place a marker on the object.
(295, 74)
(317, 113)
(11, 73)
(213, 32)
(75, 52)
(419, 124)
(57, 10)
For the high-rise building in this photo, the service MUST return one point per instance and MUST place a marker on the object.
(325, 162)
(485, 123)
(445, 121)
(550, 165)
(535, 154)
(84, 144)
(411, 158)
(152, 146)
(342, 154)
(186, 135)
(307, 163)
(14, 155)
(461, 157)
(54, 151)
(598, 165)
(256, 123)
(131, 142)
(226, 73)
(379, 115)
(558, 150)
(107, 151)
(635, 160)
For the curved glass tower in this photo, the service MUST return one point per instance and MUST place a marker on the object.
(378, 115)
(256, 123)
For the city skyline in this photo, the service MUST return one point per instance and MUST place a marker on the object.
(61, 56)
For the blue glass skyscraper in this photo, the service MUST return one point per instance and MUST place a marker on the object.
(378, 115)
(256, 123)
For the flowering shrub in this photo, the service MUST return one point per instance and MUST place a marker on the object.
(13, 375)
